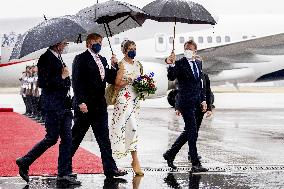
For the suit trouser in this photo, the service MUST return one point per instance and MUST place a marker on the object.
(98, 119)
(189, 134)
(29, 104)
(57, 123)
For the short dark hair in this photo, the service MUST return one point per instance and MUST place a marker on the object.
(191, 42)
(126, 45)
(92, 36)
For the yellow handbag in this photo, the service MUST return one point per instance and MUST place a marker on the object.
(111, 94)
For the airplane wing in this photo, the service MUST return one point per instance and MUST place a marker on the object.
(226, 56)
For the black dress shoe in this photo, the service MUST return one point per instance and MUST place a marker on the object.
(170, 161)
(74, 175)
(198, 168)
(23, 169)
(116, 173)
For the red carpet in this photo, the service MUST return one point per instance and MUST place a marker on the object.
(19, 134)
(6, 110)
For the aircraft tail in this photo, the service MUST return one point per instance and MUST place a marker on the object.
(7, 44)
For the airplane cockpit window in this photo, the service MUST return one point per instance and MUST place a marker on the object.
(171, 39)
(200, 39)
(218, 39)
(245, 37)
(181, 40)
(227, 39)
(116, 40)
(160, 40)
(209, 39)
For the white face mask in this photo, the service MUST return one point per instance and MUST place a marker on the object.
(188, 54)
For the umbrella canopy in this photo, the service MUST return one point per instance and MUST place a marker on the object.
(114, 16)
(178, 11)
(51, 32)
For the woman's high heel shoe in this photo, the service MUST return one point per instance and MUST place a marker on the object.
(137, 173)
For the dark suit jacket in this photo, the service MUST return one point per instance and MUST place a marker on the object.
(87, 84)
(207, 91)
(54, 88)
(190, 91)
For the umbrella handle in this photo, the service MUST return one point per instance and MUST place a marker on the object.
(108, 38)
(174, 35)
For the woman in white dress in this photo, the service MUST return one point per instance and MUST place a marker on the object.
(123, 130)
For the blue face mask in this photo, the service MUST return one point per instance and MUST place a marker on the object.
(96, 47)
(131, 54)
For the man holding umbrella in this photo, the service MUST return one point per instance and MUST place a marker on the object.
(190, 97)
(53, 78)
(89, 76)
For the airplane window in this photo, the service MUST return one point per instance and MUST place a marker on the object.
(171, 39)
(227, 39)
(190, 38)
(200, 39)
(209, 39)
(218, 39)
(245, 37)
(160, 40)
(181, 39)
(116, 40)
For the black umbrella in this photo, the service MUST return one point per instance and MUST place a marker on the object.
(178, 11)
(51, 32)
(115, 16)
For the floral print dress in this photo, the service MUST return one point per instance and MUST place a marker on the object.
(123, 130)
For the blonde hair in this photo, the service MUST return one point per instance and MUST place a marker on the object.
(125, 44)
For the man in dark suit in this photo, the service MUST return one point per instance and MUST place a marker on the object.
(89, 76)
(189, 99)
(55, 82)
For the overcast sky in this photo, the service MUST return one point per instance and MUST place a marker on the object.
(52, 8)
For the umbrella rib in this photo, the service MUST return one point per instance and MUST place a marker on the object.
(135, 20)
(123, 20)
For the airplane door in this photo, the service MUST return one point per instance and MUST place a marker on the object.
(160, 42)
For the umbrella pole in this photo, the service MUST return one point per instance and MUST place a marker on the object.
(108, 39)
(174, 35)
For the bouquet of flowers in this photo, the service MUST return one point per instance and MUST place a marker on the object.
(144, 85)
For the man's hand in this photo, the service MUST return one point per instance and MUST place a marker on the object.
(65, 72)
(209, 114)
(178, 113)
(83, 108)
(113, 60)
(171, 59)
(204, 106)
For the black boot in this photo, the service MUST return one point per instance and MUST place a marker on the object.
(23, 169)
(170, 160)
(198, 168)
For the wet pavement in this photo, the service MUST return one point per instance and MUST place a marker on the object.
(242, 147)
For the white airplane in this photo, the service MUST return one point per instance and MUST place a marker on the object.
(240, 48)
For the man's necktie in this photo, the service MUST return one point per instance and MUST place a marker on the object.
(195, 70)
(101, 67)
